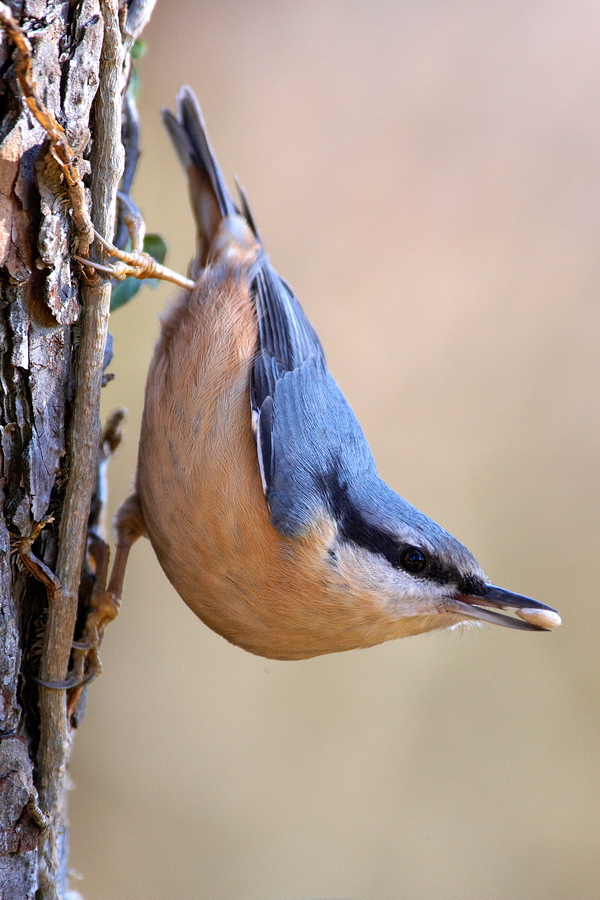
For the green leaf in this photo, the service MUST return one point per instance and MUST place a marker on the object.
(156, 247)
(133, 88)
(138, 49)
(123, 292)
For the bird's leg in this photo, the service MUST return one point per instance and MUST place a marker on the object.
(136, 263)
(102, 609)
(104, 604)
(134, 222)
(100, 601)
(105, 600)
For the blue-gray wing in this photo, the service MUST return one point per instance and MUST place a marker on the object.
(308, 438)
(310, 446)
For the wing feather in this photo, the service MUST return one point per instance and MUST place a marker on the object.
(308, 440)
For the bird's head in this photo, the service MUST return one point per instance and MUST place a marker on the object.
(423, 577)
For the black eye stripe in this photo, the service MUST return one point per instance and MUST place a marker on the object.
(354, 527)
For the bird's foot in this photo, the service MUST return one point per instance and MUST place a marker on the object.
(134, 263)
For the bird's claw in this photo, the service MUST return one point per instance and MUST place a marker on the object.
(75, 681)
(136, 263)
(81, 645)
(104, 607)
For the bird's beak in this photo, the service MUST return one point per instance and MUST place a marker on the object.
(533, 616)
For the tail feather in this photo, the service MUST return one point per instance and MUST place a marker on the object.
(211, 201)
(246, 211)
(284, 332)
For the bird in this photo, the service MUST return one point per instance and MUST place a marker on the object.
(255, 483)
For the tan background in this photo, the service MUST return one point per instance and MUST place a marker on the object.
(427, 175)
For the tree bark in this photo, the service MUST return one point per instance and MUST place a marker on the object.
(53, 331)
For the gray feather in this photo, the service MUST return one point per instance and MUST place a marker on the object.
(188, 133)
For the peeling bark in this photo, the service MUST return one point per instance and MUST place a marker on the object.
(53, 330)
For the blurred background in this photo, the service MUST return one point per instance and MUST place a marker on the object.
(427, 176)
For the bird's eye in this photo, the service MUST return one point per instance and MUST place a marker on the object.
(413, 560)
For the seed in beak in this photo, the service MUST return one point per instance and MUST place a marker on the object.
(543, 618)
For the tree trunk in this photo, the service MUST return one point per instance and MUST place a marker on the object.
(53, 330)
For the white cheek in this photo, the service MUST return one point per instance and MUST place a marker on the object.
(393, 589)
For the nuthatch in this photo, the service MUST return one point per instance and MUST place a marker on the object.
(255, 483)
